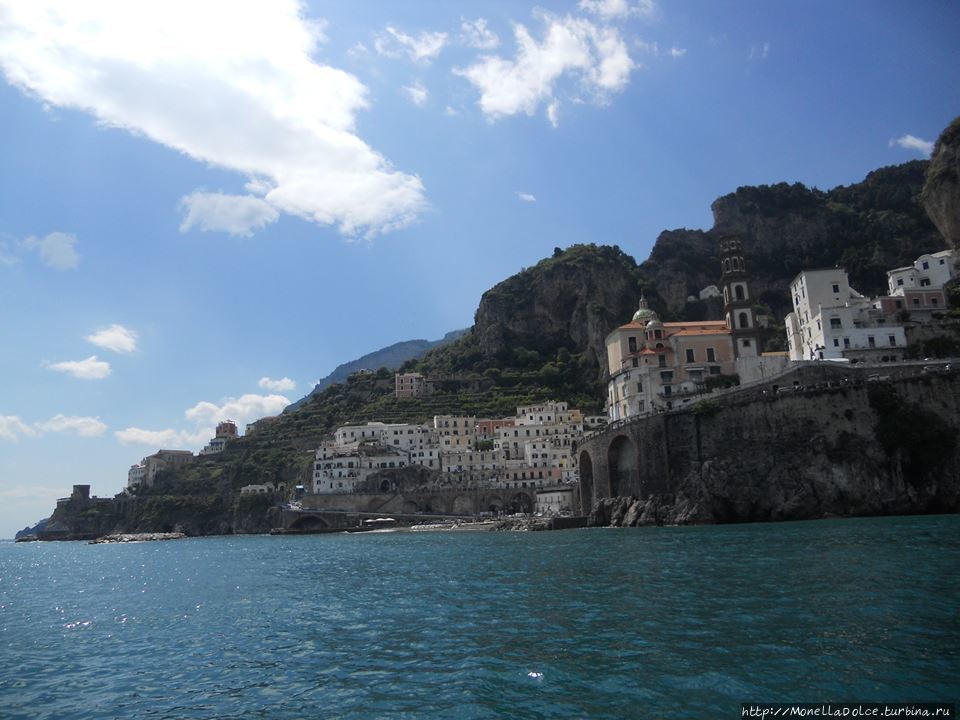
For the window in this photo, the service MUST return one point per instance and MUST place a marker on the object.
(941, 261)
(662, 360)
(871, 342)
(892, 339)
(916, 301)
(933, 301)
(925, 282)
(746, 343)
(639, 387)
(738, 291)
(690, 355)
(846, 342)
(835, 323)
(658, 334)
(836, 288)
(711, 355)
(744, 320)
(899, 304)
(667, 376)
(667, 390)
(632, 344)
(900, 281)
(636, 362)
(926, 265)
(714, 369)
(818, 325)
(836, 343)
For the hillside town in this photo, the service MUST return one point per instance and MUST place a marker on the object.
(653, 367)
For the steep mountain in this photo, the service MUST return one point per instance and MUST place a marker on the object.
(941, 193)
(390, 357)
(540, 334)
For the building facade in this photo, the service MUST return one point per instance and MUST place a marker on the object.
(832, 321)
(655, 366)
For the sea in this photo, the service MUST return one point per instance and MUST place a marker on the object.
(677, 622)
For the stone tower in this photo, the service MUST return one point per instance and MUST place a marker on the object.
(737, 302)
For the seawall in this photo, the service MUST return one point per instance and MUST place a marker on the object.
(847, 441)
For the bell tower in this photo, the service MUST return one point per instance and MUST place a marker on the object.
(737, 302)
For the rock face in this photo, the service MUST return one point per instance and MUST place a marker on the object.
(941, 193)
(571, 300)
(858, 449)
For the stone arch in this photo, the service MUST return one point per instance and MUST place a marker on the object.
(433, 504)
(738, 292)
(586, 482)
(623, 465)
(309, 522)
(410, 507)
(494, 504)
(744, 320)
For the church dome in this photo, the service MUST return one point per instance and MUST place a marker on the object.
(644, 314)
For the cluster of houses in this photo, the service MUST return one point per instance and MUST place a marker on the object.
(535, 449)
(654, 366)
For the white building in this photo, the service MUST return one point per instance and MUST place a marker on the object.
(931, 272)
(136, 475)
(553, 501)
(341, 470)
(831, 320)
(455, 432)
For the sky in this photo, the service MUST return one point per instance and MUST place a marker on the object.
(207, 206)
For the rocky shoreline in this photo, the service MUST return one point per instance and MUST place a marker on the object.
(136, 537)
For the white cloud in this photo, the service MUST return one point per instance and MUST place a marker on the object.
(232, 85)
(89, 369)
(73, 424)
(282, 385)
(57, 250)
(205, 415)
(617, 9)
(526, 197)
(450, 111)
(168, 438)
(553, 110)
(6, 255)
(911, 142)
(116, 338)
(651, 48)
(235, 214)
(676, 52)
(596, 55)
(12, 427)
(244, 409)
(759, 52)
(422, 49)
(417, 93)
(476, 34)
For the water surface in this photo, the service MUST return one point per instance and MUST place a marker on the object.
(658, 622)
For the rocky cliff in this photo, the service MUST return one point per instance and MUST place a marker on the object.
(572, 300)
(941, 193)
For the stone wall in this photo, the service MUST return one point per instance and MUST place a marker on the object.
(847, 441)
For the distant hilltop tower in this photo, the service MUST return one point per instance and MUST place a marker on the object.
(737, 303)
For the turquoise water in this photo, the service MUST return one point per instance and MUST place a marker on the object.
(665, 622)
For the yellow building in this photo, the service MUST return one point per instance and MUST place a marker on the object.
(659, 366)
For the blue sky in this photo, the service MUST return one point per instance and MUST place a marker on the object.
(206, 206)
